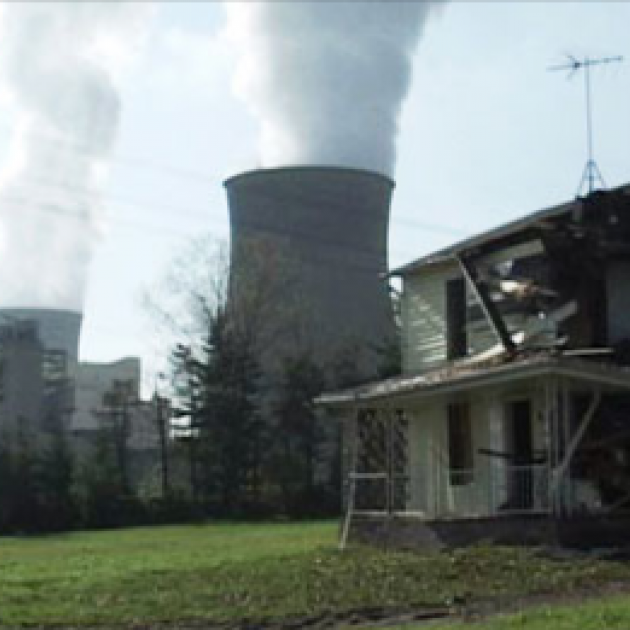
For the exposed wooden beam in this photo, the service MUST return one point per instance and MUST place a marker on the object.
(487, 305)
(561, 470)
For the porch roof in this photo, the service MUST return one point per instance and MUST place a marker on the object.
(460, 377)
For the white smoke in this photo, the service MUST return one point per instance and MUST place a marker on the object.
(58, 66)
(327, 79)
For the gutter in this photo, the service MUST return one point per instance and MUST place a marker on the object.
(498, 375)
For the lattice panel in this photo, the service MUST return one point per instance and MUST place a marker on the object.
(371, 493)
(399, 460)
(382, 461)
(372, 444)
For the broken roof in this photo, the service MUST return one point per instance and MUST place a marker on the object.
(468, 374)
(498, 233)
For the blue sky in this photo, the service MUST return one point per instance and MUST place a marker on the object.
(486, 135)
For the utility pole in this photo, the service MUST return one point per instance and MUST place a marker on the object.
(591, 174)
(162, 419)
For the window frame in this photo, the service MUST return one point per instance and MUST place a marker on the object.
(461, 460)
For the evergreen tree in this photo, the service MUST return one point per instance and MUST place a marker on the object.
(56, 485)
(25, 501)
(8, 487)
(218, 389)
(101, 484)
(299, 434)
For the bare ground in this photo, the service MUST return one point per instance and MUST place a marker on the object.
(378, 617)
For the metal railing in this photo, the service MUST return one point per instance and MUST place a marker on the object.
(519, 489)
(493, 490)
(499, 488)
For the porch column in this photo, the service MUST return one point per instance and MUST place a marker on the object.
(389, 457)
(550, 393)
(563, 471)
(350, 458)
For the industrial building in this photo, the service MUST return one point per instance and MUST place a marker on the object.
(46, 390)
(96, 383)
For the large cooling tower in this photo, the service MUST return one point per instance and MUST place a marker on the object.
(313, 240)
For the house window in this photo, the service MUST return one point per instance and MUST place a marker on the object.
(460, 448)
(456, 339)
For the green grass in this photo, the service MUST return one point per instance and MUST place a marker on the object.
(605, 614)
(256, 572)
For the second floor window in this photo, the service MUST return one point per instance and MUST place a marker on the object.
(456, 338)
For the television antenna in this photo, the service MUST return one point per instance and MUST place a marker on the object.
(591, 174)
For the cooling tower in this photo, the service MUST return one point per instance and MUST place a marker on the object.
(311, 244)
(39, 349)
(58, 330)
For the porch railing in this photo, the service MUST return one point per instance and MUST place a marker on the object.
(496, 489)
(499, 488)
(521, 488)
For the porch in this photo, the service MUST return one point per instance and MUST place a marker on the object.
(498, 489)
(513, 451)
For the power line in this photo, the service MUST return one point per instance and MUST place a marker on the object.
(178, 210)
(86, 153)
(299, 235)
(176, 171)
(37, 206)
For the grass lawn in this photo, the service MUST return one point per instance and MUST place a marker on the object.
(605, 614)
(256, 572)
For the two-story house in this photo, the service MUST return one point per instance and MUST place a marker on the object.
(511, 419)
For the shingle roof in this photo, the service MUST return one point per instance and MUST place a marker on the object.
(466, 375)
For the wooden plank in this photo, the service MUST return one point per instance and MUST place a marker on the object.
(561, 470)
(487, 305)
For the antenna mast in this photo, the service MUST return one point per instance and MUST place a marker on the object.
(591, 174)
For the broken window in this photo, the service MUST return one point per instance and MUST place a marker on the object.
(460, 447)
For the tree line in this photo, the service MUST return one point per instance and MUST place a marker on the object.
(245, 438)
(47, 485)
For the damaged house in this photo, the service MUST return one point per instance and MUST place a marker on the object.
(511, 419)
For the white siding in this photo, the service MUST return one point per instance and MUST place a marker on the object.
(424, 318)
(431, 491)
(424, 312)
(424, 446)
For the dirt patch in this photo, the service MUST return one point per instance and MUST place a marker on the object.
(477, 610)
(365, 618)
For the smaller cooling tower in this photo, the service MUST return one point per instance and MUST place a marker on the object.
(58, 330)
(313, 240)
(39, 351)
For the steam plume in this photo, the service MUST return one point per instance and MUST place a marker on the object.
(58, 62)
(327, 79)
